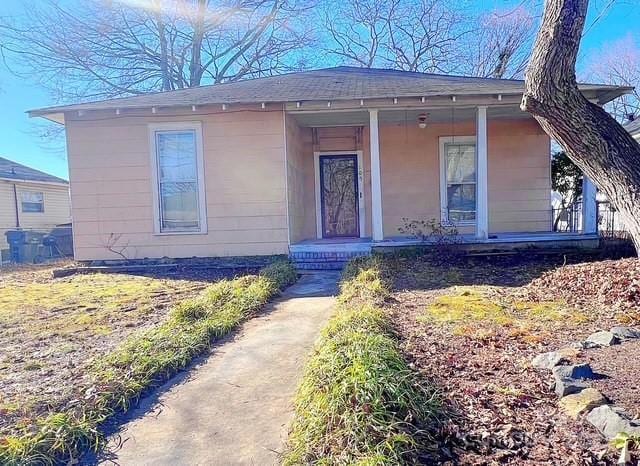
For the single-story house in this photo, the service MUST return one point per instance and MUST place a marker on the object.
(633, 127)
(31, 199)
(311, 162)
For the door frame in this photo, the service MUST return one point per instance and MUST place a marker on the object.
(360, 193)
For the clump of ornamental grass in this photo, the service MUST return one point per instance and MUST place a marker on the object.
(359, 402)
(145, 360)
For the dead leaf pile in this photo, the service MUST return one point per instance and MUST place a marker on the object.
(614, 284)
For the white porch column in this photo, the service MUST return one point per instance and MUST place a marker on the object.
(589, 207)
(482, 192)
(376, 184)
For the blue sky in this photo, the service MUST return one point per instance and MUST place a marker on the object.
(18, 134)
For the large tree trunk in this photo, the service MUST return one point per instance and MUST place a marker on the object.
(597, 144)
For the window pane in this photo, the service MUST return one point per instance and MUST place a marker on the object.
(462, 202)
(179, 206)
(461, 163)
(177, 155)
(178, 180)
(32, 202)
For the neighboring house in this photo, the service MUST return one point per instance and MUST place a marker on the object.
(311, 161)
(31, 199)
(634, 129)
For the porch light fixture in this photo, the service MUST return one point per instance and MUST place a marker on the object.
(153, 110)
(395, 100)
(224, 106)
(422, 121)
(193, 108)
(117, 111)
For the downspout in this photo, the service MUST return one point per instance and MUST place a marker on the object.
(15, 202)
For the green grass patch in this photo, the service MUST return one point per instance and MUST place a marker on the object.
(144, 361)
(464, 307)
(470, 312)
(359, 402)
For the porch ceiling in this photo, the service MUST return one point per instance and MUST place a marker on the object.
(331, 117)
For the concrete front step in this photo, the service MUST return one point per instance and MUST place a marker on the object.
(327, 258)
(319, 265)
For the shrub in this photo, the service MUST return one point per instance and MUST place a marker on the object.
(359, 403)
(143, 361)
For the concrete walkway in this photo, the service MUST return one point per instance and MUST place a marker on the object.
(233, 409)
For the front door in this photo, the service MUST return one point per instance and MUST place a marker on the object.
(339, 196)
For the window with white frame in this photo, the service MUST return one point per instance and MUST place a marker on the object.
(32, 201)
(178, 169)
(459, 181)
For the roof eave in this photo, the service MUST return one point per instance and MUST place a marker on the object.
(52, 115)
(24, 180)
(607, 95)
(602, 95)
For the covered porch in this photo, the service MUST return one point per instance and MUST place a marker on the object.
(356, 176)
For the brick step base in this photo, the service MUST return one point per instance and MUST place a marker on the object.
(323, 260)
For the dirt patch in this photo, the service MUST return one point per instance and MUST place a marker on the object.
(475, 341)
(621, 366)
(52, 329)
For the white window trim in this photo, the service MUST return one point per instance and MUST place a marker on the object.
(31, 191)
(202, 202)
(361, 201)
(444, 140)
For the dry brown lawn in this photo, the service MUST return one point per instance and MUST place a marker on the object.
(51, 329)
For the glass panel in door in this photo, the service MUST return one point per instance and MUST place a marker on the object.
(339, 195)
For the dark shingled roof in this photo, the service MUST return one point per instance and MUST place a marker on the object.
(16, 171)
(341, 83)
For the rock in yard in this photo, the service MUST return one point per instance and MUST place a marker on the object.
(567, 386)
(602, 338)
(610, 422)
(579, 371)
(625, 333)
(553, 358)
(579, 403)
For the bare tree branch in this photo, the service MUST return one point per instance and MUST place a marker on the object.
(116, 48)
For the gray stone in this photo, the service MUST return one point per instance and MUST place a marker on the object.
(625, 333)
(546, 360)
(567, 386)
(579, 371)
(553, 358)
(602, 338)
(611, 421)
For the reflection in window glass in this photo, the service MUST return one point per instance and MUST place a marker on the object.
(460, 166)
(178, 180)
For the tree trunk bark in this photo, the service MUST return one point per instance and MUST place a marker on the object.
(597, 144)
(195, 67)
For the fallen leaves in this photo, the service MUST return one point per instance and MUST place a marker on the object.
(501, 410)
(611, 284)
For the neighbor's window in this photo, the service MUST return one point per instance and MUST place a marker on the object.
(460, 173)
(32, 202)
(178, 179)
